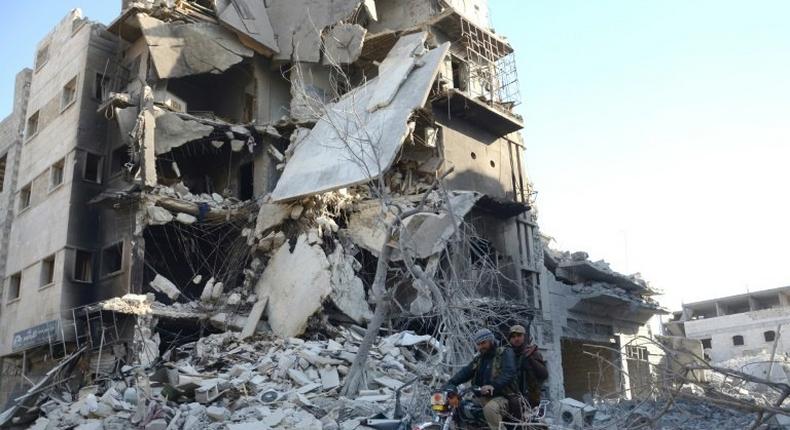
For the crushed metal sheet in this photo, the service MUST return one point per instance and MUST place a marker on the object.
(350, 145)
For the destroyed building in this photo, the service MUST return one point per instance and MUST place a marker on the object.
(736, 326)
(201, 172)
(591, 315)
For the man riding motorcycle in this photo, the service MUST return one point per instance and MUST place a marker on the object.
(493, 369)
(531, 368)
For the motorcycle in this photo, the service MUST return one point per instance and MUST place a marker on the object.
(455, 409)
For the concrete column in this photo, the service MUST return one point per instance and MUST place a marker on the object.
(721, 309)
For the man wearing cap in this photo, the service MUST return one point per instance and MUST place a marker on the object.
(493, 369)
(531, 368)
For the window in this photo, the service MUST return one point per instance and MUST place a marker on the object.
(42, 56)
(119, 158)
(24, 197)
(2, 172)
(32, 125)
(69, 93)
(92, 170)
(56, 174)
(737, 340)
(112, 259)
(83, 266)
(14, 283)
(246, 179)
(769, 336)
(706, 343)
(99, 86)
(47, 271)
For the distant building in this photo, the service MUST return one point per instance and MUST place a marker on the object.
(736, 326)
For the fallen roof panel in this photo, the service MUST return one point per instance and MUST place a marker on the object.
(350, 145)
(249, 19)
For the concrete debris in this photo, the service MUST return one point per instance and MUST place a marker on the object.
(185, 218)
(321, 162)
(173, 131)
(179, 50)
(250, 21)
(130, 304)
(343, 44)
(158, 215)
(295, 282)
(348, 292)
(164, 286)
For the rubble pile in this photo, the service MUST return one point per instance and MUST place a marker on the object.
(220, 381)
(692, 414)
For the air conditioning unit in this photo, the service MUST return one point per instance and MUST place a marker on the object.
(575, 414)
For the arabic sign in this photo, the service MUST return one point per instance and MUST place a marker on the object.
(36, 335)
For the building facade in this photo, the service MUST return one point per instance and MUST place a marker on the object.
(737, 326)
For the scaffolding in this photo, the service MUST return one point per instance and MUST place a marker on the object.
(491, 66)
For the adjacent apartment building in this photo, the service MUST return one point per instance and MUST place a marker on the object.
(737, 326)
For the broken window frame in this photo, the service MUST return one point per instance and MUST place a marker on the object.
(104, 274)
(86, 271)
(42, 56)
(708, 342)
(99, 167)
(3, 165)
(69, 88)
(47, 271)
(56, 179)
(25, 197)
(15, 287)
(32, 125)
(738, 340)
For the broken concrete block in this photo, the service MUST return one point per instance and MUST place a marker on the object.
(186, 218)
(236, 145)
(299, 377)
(343, 44)
(329, 378)
(164, 286)
(208, 290)
(158, 215)
(234, 299)
(216, 292)
(157, 424)
(217, 413)
(296, 211)
(294, 295)
(270, 215)
(253, 318)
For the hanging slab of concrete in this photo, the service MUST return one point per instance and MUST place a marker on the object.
(172, 131)
(179, 50)
(163, 285)
(298, 25)
(296, 284)
(250, 21)
(350, 145)
(343, 44)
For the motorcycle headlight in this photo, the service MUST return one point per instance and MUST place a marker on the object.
(437, 399)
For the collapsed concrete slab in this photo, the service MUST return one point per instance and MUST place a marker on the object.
(250, 21)
(298, 25)
(400, 61)
(173, 131)
(179, 50)
(295, 283)
(343, 44)
(164, 286)
(348, 292)
(350, 145)
(270, 215)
